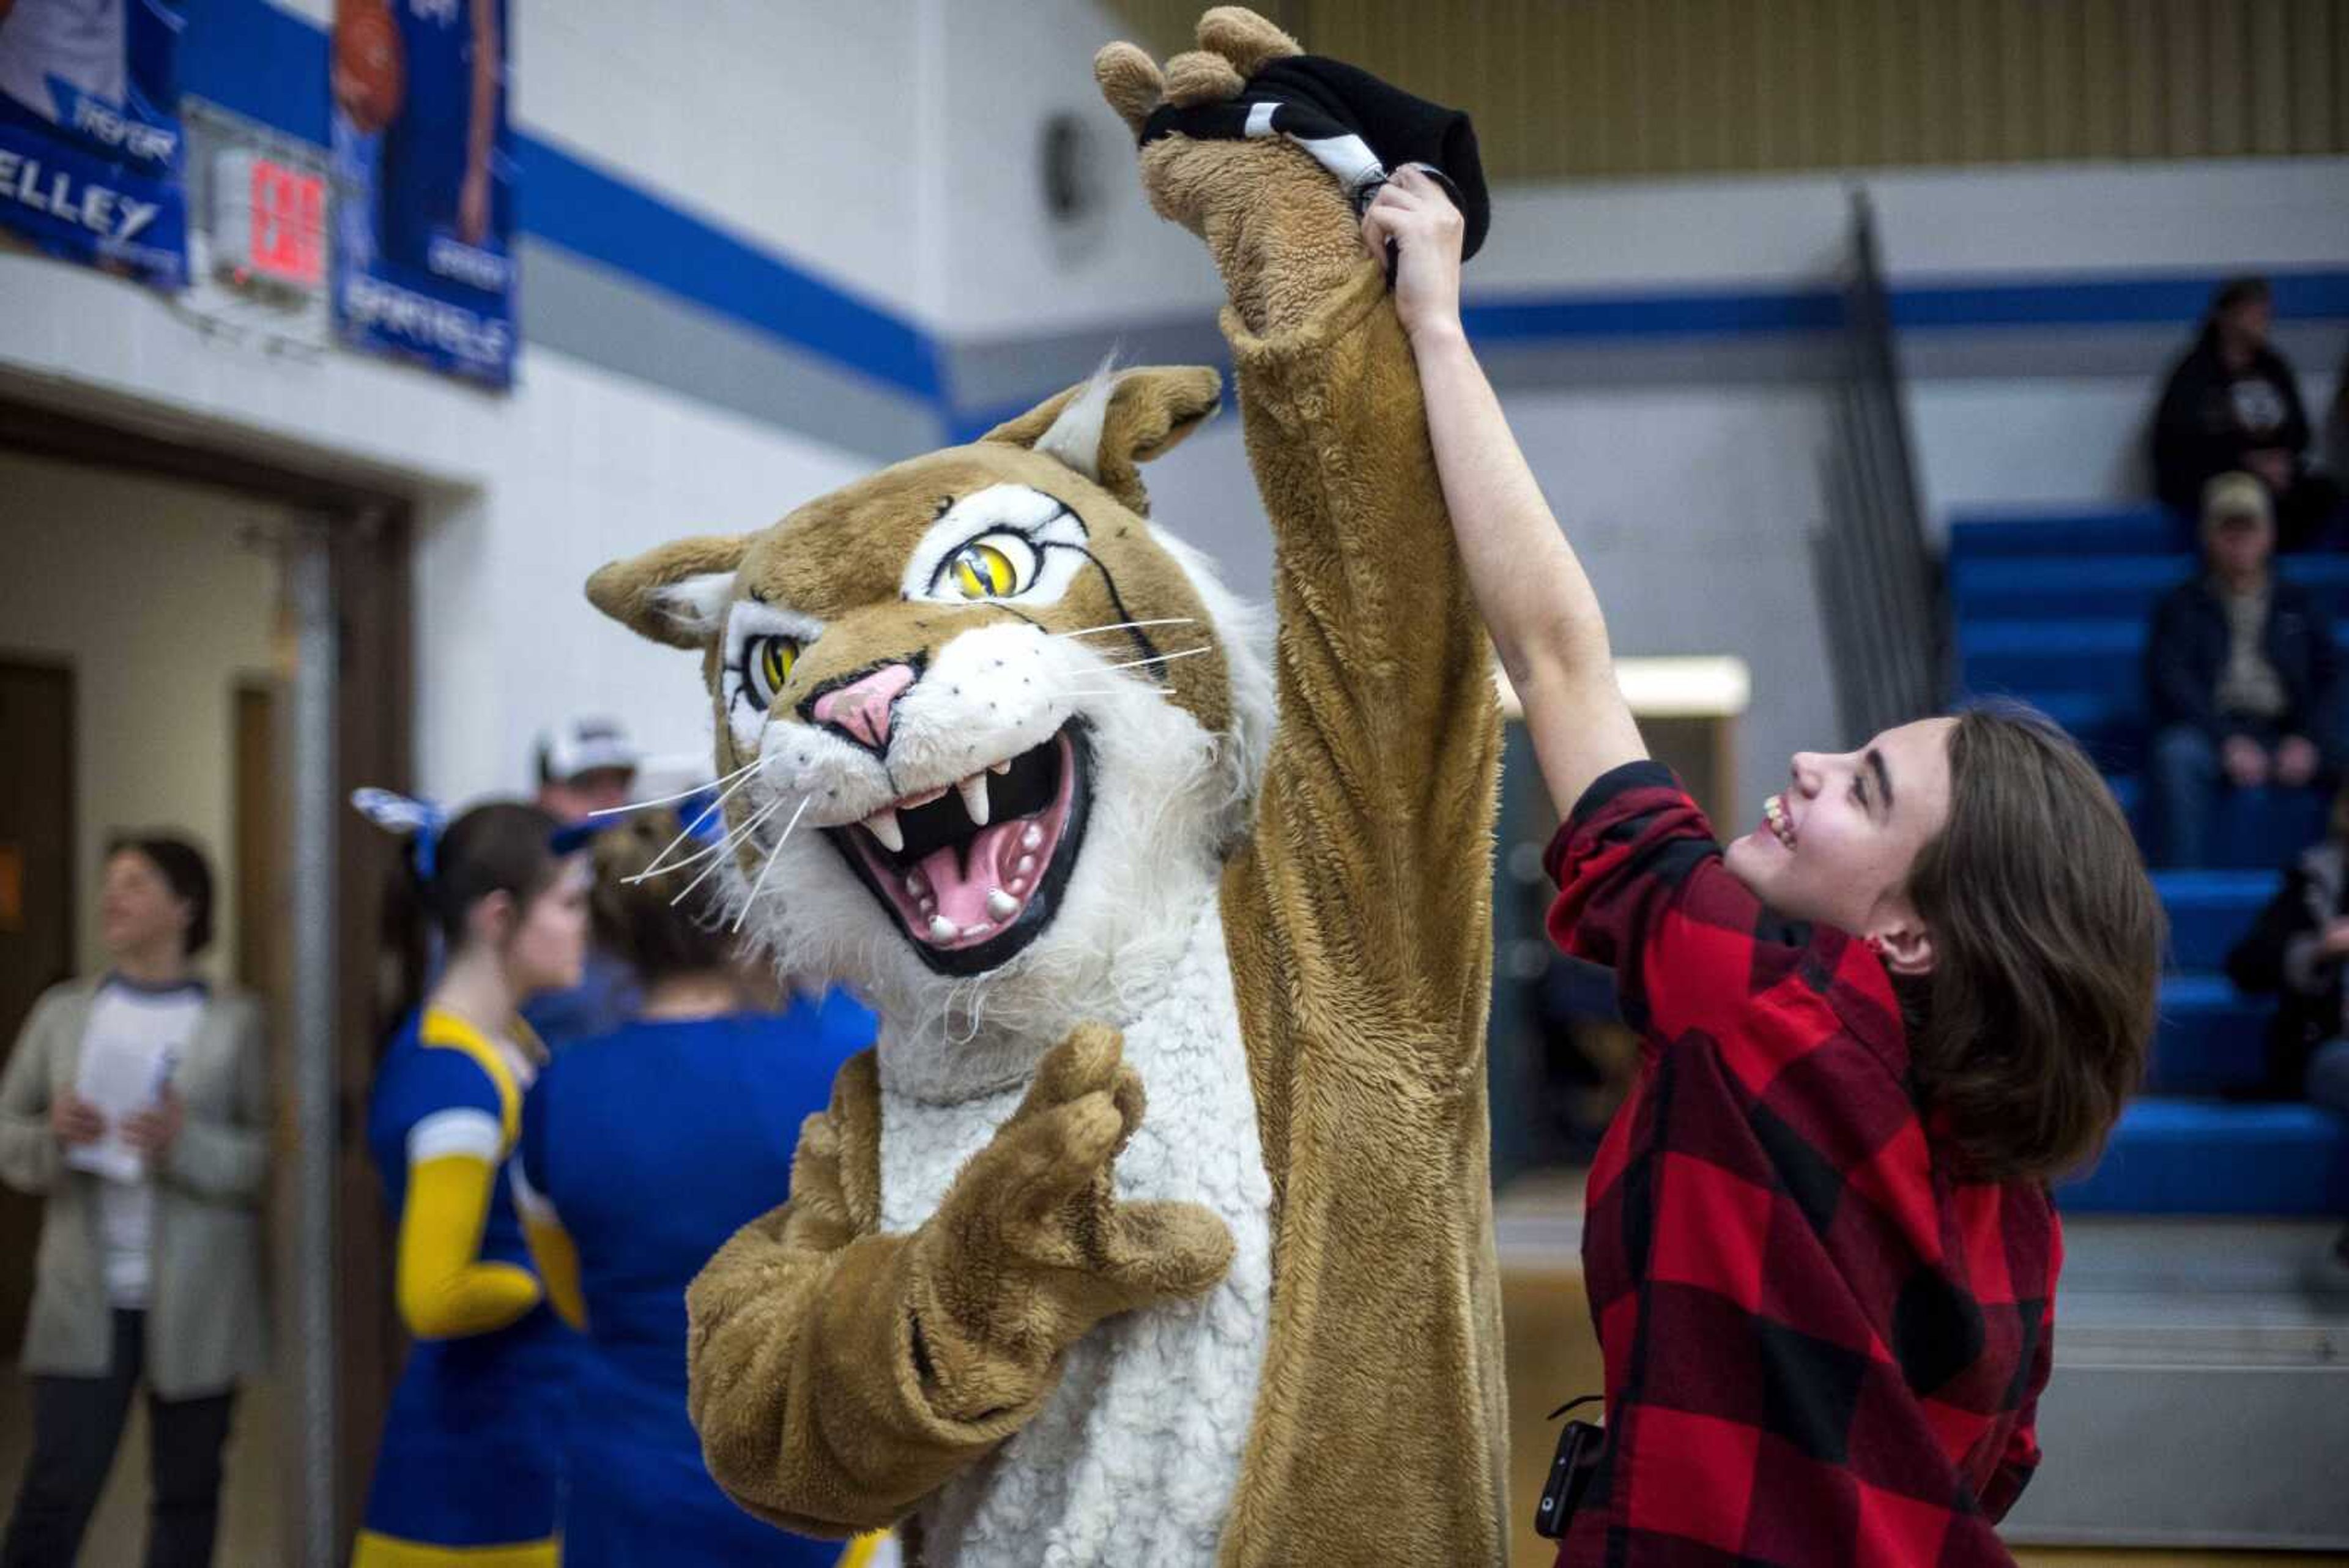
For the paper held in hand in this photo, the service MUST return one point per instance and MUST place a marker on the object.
(119, 1077)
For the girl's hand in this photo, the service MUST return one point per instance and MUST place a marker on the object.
(152, 1132)
(1412, 211)
(74, 1120)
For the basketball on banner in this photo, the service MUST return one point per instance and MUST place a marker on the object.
(368, 72)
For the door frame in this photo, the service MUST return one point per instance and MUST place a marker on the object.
(348, 576)
(26, 1206)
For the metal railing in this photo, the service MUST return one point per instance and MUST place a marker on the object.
(1879, 581)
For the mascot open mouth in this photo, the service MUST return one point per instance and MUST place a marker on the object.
(979, 866)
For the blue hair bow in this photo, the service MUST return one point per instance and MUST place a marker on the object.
(420, 822)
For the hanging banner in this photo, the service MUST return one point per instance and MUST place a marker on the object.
(89, 134)
(423, 178)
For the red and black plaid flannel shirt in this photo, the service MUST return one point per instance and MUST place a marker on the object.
(1820, 1348)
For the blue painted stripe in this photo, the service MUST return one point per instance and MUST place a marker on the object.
(565, 201)
(257, 61)
(1691, 313)
(2151, 300)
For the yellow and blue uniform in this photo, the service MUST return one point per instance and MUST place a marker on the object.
(642, 1151)
(469, 1470)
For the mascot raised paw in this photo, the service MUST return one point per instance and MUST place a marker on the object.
(1156, 1228)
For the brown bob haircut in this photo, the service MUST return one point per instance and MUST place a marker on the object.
(635, 919)
(497, 846)
(184, 870)
(2033, 1027)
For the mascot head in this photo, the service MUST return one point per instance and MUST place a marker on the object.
(983, 732)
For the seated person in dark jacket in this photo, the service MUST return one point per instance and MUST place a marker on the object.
(2234, 403)
(2240, 671)
(2296, 950)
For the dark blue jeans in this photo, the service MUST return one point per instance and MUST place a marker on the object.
(78, 1424)
(2182, 795)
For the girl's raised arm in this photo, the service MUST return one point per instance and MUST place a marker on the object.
(1535, 600)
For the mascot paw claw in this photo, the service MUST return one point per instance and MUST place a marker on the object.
(1032, 1243)
(1206, 181)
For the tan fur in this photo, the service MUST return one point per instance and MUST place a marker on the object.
(1148, 413)
(839, 557)
(624, 590)
(839, 1375)
(1247, 40)
(1359, 912)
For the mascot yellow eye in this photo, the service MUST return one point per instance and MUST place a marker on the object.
(983, 572)
(769, 661)
(998, 565)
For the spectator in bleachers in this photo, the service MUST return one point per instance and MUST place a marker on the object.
(2232, 404)
(2337, 425)
(2241, 670)
(2296, 951)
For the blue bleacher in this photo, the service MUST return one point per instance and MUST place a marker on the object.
(2217, 1157)
(2100, 531)
(2053, 608)
(2103, 657)
(2027, 587)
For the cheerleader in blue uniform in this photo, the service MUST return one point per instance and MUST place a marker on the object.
(470, 1469)
(642, 1151)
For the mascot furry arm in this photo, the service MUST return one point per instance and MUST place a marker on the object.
(1260, 1324)
(1360, 908)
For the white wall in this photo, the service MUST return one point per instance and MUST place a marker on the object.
(1004, 271)
(893, 148)
(142, 586)
(793, 126)
(518, 497)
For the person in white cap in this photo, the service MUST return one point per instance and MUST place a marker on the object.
(2240, 674)
(585, 764)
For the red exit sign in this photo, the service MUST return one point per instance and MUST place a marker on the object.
(269, 223)
(288, 240)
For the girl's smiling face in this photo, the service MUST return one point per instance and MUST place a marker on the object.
(1836, 847)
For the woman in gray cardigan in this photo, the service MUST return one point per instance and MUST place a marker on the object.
(150, 1264)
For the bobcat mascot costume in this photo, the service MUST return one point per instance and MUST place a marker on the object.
(1007, 759)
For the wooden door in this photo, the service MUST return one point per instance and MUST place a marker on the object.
(37, 908)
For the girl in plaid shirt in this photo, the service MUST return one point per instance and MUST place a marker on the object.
(1820, 1250)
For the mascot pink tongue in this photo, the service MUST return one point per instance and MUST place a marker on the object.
(981, 886)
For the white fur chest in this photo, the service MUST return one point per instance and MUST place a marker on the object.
(1134, 1456)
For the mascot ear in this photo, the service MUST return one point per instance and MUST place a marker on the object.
(677, 594)
(1104, 426)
